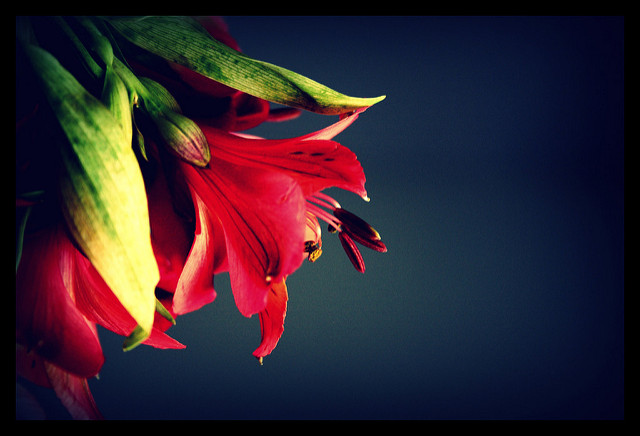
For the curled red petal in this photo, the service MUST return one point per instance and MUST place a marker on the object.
(334, 129)
(218, 29)
(195, 285)
(272, 319)
(47, 319)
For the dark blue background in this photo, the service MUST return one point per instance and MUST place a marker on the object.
(495, 168)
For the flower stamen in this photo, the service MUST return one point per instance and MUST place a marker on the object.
(350, 228)
(314, 250)
(352, 251)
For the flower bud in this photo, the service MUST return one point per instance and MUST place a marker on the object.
(183, 137)
(181, 134)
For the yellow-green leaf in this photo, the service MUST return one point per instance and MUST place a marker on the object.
(116, 98)
(184, 41)
(102, 191)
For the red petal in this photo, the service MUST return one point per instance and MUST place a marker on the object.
(47, 319)
(262, 214)
(283, 114)
(195, 287)
(331, 131)
(96, 300)
(248, 111)
(314, 164)
(31, 366)
(217, 28)
(272, 319)
(169, 233)
(74, 393)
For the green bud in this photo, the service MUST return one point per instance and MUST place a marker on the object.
(181, 134)
(183, 137)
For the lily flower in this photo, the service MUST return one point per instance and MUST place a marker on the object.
(264, 197)
(315, 162)
(60, 298)
(261, 213)
(218, 201)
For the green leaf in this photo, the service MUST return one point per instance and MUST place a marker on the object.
(162, 311)
(137, 336)
(116, 98)
(102, 191)
(179, 133)
(184, 41)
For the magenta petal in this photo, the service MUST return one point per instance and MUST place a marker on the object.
(263, 217)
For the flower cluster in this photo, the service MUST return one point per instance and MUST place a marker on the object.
(135, 186)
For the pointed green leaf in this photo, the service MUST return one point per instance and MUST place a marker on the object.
(102, 191)
(162, 311)
(137, 336)
(184, 41)
(116, 98)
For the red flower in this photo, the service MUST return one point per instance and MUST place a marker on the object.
(253, 211)
(48, 322)
(261, 213)
(263, 196)
(60, 298)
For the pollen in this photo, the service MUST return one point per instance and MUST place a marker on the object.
(314, 250)
(314, 255)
